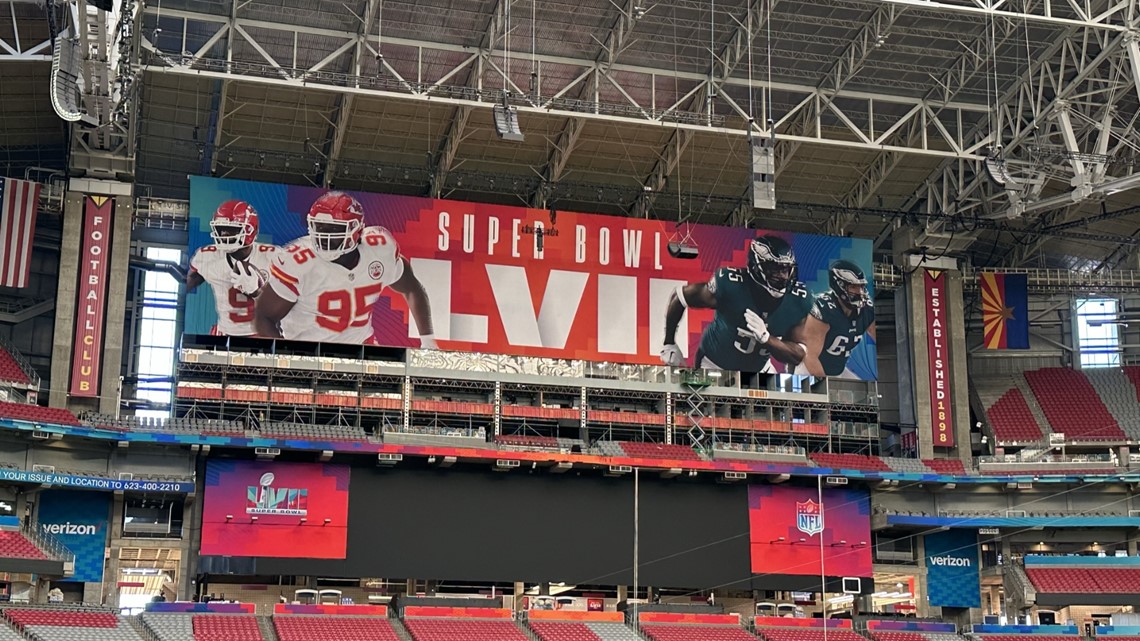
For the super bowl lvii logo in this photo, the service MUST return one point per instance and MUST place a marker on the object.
(265, 499)
(809, 517)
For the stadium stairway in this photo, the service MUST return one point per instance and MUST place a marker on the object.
(169, 627)
(583, 631)
(401, 631)
(1031, 402)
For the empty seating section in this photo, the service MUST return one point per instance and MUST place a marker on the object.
(301, 431)
(528, 441)
(1072, 406)
(61, 624)
(946, 466)
(1118, 392)
(463, 630)
(850, 462)
(10, 370)
(1084, 580)
(169, 627)
(807, 634)
(333, 628)
(1012, 420)
(226, 627)
(614, 632)
(639, 449)
(562, 631)
(666, 632)
(181, 425)
(906, 465)
(897, 636)
(37, 414)
(24, 617)
(14, 545)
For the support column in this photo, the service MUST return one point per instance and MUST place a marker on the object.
(935, 327)
(104, 291)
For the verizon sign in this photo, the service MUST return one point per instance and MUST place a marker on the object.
(91, 303)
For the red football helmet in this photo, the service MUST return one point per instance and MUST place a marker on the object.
(336, 222)
(234, 226)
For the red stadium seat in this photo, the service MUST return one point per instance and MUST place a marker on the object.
(1076, 580)
(463, 630)
(1072, 406)
(14, 545)
(37, 414)
(226, 627)
(1012, 420)
(10, 370)
(667, 632)
(850, 462)
(807, 634)
(563, 631)
(333, 628)
(638, 449)
(23, 618)
(946, 466)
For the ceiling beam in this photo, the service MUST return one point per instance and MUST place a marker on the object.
(1027, 110)
(448, 148)
(968, 65)
(342, 110)
(615, 41)
(872, 36)
(734, 52)
(1111, 16)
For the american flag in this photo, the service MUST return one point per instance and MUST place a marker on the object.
(19, 200)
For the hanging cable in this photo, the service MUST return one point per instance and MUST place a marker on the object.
(506, 47)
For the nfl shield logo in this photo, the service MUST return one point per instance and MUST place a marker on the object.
(809, 517)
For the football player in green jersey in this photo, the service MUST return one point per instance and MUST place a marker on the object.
(839, 319)
(759, 311)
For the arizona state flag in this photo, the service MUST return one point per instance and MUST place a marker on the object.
(1005, 310)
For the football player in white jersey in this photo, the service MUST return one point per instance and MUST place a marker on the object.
(322, 287)
(236, 266)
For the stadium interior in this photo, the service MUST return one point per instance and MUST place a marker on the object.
(970, 476)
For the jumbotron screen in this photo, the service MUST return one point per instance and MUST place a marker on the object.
(793, 529)
(306, 264)
(270, 509)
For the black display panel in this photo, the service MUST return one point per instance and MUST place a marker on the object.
(518, 526)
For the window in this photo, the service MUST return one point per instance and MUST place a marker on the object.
(157, 330)
(1098, 332)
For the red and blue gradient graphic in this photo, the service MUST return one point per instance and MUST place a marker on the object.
(268, 509)
(786, 525)
(596, 290)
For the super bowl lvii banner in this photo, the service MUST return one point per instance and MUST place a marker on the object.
(307, 264)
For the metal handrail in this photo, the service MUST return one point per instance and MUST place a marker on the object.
(48, 543)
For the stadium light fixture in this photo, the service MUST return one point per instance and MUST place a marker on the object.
(327, 521)
(229, 517)
(253, 519)
(304, 520)
(778, 540)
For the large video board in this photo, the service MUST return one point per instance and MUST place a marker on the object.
(270, 509)
(307, 264)
(795, 529)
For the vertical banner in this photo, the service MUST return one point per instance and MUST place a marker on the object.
(938, 358)
(91, 303)
(78, 520)
(952, 578)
